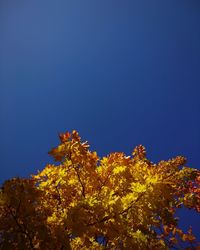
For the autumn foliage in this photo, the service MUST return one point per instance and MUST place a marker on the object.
(84, 202)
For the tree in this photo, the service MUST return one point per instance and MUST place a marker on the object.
(84, 202)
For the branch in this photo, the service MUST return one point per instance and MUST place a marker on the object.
(106, 218)
(79, 178)
(132, 203)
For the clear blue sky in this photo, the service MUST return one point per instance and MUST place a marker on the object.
(122, 73)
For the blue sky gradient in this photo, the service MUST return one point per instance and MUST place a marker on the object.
(122, 73)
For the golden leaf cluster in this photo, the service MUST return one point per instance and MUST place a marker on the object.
(87, 202)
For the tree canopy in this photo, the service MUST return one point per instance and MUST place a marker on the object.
(88, 202)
